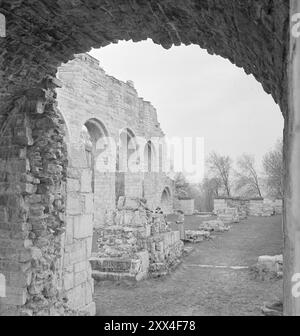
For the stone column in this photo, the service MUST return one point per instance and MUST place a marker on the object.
(292, 172)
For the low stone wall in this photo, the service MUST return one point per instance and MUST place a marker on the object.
(134, 242)
(221, 206)
(260, 209)
(249, 207)
(187, 206)
(277, 205)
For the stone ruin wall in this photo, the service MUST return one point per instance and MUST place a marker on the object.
(249, 207)
(252, 35)
(89, 93)
(135, 243)
(33, 161)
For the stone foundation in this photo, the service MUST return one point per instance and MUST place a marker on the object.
(135, 242)
(229, 216)
(249, 207)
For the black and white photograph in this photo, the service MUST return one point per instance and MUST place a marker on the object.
(149, 161)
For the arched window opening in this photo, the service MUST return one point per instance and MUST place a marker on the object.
(149, 158)
(93, 131)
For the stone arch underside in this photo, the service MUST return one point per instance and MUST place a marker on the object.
(43, 34)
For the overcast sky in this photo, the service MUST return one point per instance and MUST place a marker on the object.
(198, 95)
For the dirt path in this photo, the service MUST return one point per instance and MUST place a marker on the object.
(199, 288)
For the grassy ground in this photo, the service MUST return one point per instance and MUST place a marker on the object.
(194, 290)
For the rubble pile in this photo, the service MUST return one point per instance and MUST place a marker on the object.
(214, 225)
(197, 236)
(134, 242)
(229, 216)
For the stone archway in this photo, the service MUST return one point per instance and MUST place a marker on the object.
(150, 158)
(42, 34)
(102, 154)
(166, 201)
(125, 180)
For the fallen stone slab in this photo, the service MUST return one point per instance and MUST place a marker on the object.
(197, 236)
(121, 268)
(268, 268)
(229, 216)
(214, 225)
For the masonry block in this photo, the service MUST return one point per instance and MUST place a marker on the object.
(86, 181)
(83, 226)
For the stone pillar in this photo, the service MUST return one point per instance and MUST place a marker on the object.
(292, 173)
(77, 277)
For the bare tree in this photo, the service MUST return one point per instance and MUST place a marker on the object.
(247, 176)
(220, 167)
(273, 167)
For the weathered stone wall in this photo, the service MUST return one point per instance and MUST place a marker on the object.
(42, 34)
(32, 202)
(89, 93)
(135, 242)
(248, 207)
(77, 247)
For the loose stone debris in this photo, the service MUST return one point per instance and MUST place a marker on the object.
(214, 225)
(229, 216)
(197, 236)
